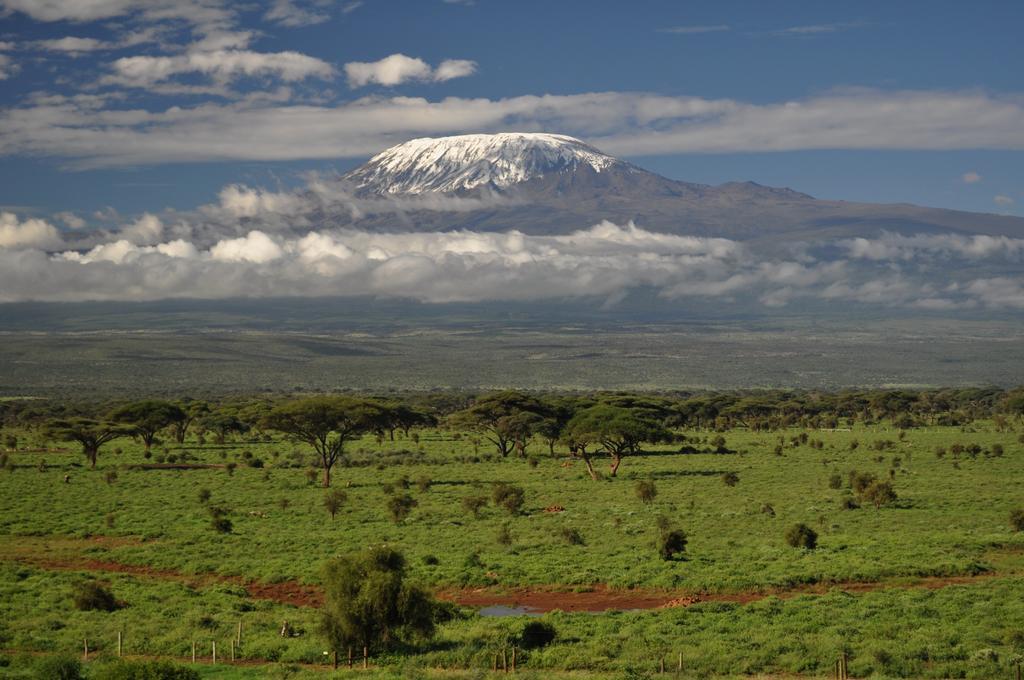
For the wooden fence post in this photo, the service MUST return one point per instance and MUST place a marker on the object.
(504, 661)
(193, 651)
(679, 668)
(232, 649)
(350, 657)
(239, 638)
(513, 658)
(661, 665)
(366, 657)
(85, 644)
(214, 643)
(119, 643)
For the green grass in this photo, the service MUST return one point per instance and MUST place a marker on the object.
(952, 518)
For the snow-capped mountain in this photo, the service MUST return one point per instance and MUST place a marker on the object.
(466, 162)
(553, 184)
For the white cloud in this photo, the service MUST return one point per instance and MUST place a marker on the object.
(7, 67)
(253, 247)
(1000, 199)
(289, 13)
(398, 68)
(195, 12)
(30, 233)
(5, 45)
(622, 123)
(695, 30)
(971, 177)
(72, 45)
(222, 66)
(605, 260)
(70, 220)
(899, 247)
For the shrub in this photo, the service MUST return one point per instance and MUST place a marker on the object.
(474, 504)
(311, 475)
(333, 500)
(204, 496)
(145, 670)
(848, 503)
(646, 491)
(730, 479)
(400, 506)
(537, 634)
(1017, 519)
(219, 520)
(768, 509)
(508, 496)
(859, 481)
(59, 668)
(997, 450)
(671, 543)
(230, 467)
(879, 494)
(424, 483)
(92, 596)
(571, 536)
(431, 560)
(835, 481)
(110, 476)
(802, 536)
(504, 536)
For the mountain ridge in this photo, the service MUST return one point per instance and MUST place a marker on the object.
(541, 183)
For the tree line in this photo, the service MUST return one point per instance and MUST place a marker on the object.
(612, 425)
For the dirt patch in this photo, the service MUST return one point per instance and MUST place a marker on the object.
(67, 554)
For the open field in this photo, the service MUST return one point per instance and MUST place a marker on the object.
(932, 586)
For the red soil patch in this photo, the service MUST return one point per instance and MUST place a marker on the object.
(537, 599)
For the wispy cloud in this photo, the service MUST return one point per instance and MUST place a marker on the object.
(971, 177)
(819, 29)
(695, 30)
(1003, 200)
(91, 133)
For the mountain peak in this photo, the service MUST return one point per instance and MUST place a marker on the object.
(465, 162)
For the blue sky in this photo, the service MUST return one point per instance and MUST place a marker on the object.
(160, 103)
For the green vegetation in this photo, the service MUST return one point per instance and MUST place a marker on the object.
(184, 551)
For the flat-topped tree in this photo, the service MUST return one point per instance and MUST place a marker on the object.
(507, 419)
(193, 411)
(90, 433)
(148, 417)
(326, 424)
(619, 431)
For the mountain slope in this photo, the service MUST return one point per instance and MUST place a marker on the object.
(551, 184)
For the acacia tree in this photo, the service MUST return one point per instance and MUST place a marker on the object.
(369, 603)
(507, 419)
(147, 418)
(326, 424)
(618, 430)
(192, 411)
(90, 433)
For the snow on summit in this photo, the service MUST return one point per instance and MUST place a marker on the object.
(452, 164)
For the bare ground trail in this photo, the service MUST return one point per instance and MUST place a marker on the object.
(67, 554)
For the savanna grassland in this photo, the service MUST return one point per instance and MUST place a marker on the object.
(929, 584)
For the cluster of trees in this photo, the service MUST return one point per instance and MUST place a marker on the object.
(611, 425)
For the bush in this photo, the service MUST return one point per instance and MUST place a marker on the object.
(571, 536)
(835, 481)
(537, 634)
(59, 668)
(859, 481)
(145, 670)
(730, 479)
(474, 504)
(110, 476)
(504, 536)
(879, 494)
(508, 496)
(802, 536)
(401, 506)
(1017, 519)
(424, 483)
(848, 503)
(646, 491)
(671, 543)
(204, 496)
(333, 500)
(92, 596)
(219, 520)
